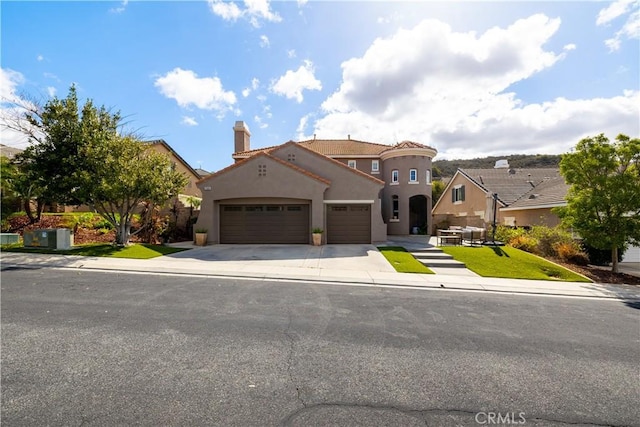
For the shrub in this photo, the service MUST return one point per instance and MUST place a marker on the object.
(69, 221)
(548, 237)
(85, 220)
(506, 234)
(571, 252)
(525, 243)
(601, 256)
(102, 223)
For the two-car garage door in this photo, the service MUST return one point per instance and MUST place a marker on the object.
(264, 224)
(275, 223)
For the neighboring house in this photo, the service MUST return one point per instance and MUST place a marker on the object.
(354, 190)
(525, 197)
(189, 190)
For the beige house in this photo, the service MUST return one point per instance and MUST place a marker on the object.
(355, 191)
(525, 197)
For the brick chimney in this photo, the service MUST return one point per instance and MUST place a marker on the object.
(241, 137)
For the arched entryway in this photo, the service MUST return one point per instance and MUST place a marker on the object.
(418, 213)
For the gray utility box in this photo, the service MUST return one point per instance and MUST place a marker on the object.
(7, 238)
(51, 238)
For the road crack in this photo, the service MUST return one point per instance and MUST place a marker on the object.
(290, 357)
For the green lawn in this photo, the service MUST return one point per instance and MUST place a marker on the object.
(135, 251)
(402, 260)
(508, 262)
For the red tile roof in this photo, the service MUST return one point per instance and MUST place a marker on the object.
(340, 147)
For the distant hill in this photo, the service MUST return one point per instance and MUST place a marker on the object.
(447, 168)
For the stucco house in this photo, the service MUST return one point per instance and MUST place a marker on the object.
(525, 197)
(357, 191)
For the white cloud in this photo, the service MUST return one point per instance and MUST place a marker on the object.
(264, 41)
(9, 82)
(40, 58)
(570, 46)
(431, 61)
(255, 83)
(189, 121)
(259, 122)
(12, 105)
(51, 91)
(450, 90)
(188, 89)
(301, 3)
(630, 29)
(120, 8)
(291, 53)
(254, 10)
(613, 11)
(292, 83)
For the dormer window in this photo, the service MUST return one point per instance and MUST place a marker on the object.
(351, 164)
(394, 176)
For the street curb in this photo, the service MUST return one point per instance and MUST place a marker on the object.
(441, 287)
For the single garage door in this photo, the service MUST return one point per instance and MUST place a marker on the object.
(264, 224)
(348, 224)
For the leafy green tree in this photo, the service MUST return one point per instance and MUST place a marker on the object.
(437, 188)
(603, 203)
(79, 157)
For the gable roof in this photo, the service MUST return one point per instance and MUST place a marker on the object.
(549, 193)
(172, 151)
(269, 156)
(509, 184)
(329, 159)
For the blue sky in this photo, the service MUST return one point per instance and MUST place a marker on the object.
(469, 78)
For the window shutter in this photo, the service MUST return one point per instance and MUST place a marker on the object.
(453, 195)
(462, 193)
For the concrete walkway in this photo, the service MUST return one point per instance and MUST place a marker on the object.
(337, 264)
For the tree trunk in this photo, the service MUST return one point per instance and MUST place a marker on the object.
(614, 259)
(123, 233)
(28, 211)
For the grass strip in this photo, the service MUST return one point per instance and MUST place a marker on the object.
(403, 261)
(511, 263)
(135, 251)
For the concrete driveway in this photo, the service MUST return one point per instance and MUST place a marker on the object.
(336, 257)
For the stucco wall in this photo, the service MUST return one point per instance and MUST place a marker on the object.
(191, 189)
(529, 217)
(245, 182)
(345, 185)
(405, 190)
(476, 202)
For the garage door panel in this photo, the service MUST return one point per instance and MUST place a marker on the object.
(348, 224)
(264, 224)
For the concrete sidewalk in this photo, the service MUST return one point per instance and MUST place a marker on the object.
(334, 269)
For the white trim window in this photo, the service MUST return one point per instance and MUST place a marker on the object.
(395, 208)
(351, 164)
(375, 166)
(457, 194)
(413, 176)
(395, 176)
(428, 177)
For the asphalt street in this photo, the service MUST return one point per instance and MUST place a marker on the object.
(91, 348)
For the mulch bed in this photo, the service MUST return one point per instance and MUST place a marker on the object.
(601, 274)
